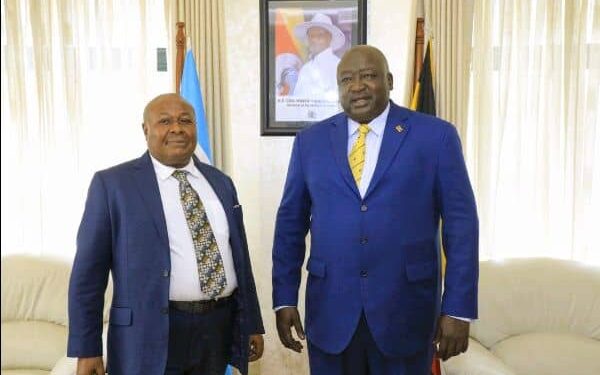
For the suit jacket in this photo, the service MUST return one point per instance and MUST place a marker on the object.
(123, 231)
(378, 254)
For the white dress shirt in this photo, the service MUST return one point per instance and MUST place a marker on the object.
(373, 144)
(185, 282)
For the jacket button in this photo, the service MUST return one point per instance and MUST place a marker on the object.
(364, 241)
(363, 208)
(363, 273)
(164, 310)
(165, 273)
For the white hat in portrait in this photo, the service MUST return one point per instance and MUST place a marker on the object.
(321, 20)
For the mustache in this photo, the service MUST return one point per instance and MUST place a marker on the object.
(177, 140)
(354, 98)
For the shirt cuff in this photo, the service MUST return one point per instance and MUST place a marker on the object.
(281, 307)
(468, 320)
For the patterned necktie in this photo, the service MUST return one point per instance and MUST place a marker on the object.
(208, 257)
(357, 155)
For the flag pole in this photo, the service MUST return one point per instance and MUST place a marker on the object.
(180, 43)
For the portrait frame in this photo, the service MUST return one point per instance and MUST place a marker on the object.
(301, 44)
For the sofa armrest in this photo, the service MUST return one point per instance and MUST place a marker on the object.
(475, 361)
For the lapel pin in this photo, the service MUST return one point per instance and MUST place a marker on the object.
(399, 128)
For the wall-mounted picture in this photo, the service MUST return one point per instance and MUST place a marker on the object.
(302, 42)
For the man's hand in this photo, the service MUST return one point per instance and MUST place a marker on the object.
(257, 346)
(286, 318)
(90, 366)
(452, 337)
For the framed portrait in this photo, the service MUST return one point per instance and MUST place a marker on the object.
(302, 42)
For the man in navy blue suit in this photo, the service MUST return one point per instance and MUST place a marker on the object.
(372, 185)
(170, 231)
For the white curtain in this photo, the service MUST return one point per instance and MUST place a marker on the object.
(448, 28)
(75, 78)
(533, 137)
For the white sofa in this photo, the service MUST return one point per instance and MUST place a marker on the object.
(34, 316)
(536, 317)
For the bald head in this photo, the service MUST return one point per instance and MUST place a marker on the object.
(366, 50)
(170, 129)
(169, 97)
(364, 83)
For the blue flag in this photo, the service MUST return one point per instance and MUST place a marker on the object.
(190, 91)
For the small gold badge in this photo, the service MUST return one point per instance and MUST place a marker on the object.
(399, 128)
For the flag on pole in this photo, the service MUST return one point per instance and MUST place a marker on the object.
(190, 90)
(423, 100)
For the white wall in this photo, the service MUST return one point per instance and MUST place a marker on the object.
(260, 163)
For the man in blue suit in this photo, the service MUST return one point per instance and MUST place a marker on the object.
(372, 184)
(170, 230)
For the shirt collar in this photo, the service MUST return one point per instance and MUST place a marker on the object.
(377, 125)
(164, 171)
(326, 53)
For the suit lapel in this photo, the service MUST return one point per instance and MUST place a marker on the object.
(339, 142)
(145, 178)
(396, 129)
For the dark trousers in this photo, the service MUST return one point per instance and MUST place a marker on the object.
(362, 357)
(200, 344)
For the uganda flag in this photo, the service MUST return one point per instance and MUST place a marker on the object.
(423, 99)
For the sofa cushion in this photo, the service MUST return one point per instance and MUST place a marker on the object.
(477, 360)
(34, 314)
(550, 354)
(32, 344)
(34, 289)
